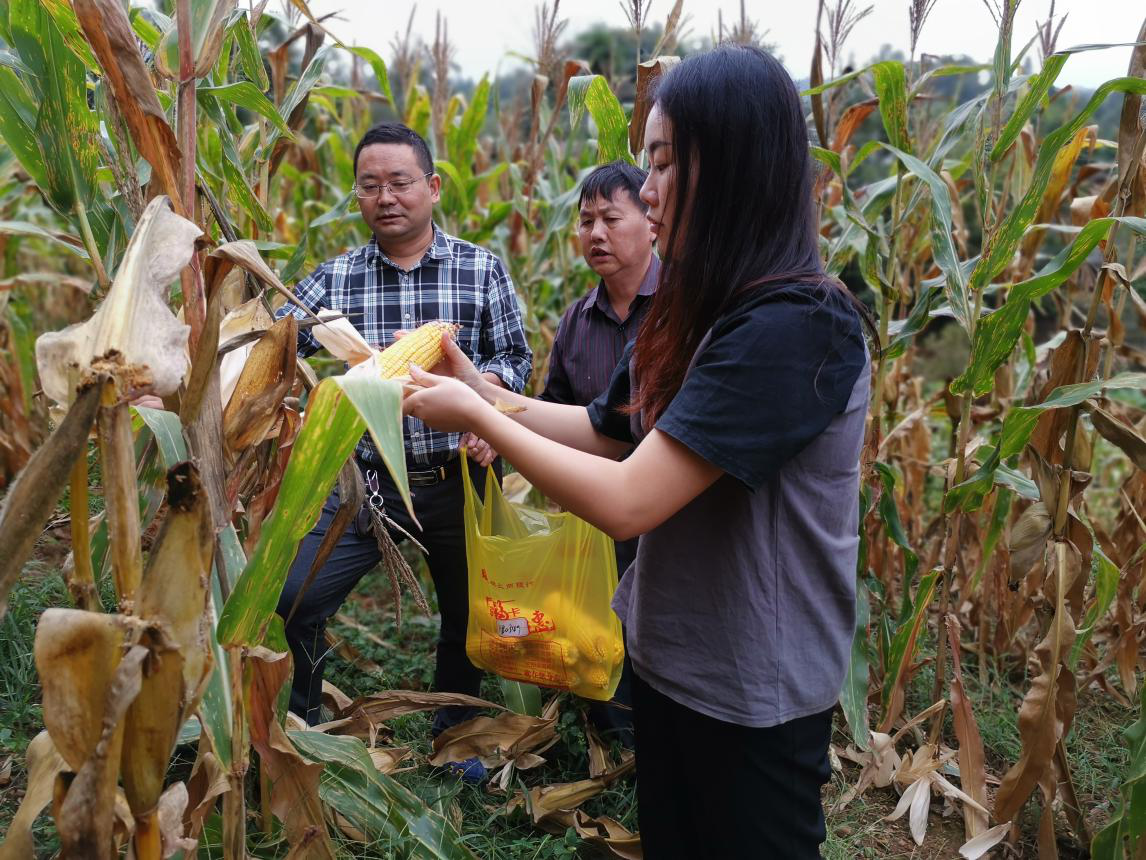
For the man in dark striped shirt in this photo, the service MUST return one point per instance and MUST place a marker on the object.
(409, 273)
(618, 245)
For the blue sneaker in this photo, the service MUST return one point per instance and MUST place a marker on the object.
(471, 770)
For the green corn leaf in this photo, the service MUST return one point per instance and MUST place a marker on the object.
(853, 697)
(244, 195)
(64, 17)
(23, 228)
(11, 61)
(1127, 824)
(208, 18)
(246, 95)
(834, 82)
(943, 72)
(297, 259)
(1015, 480)
(379, 67)
(997, 333)
(891, 87)
(592, 93)
(893, 525)
(999, 516)
(145, 28)
(1016, 431)
(456, 200)
(394, 818)
(461, 139)
(1105, 574)
(65, 129)
(299, 92)
(902, 648)
(338, 411)
(250, 59)
(1020, 421)
(942, 245)
(521, 698)
(917, 319)
(337, 212)
(1002, 249)
(1038, 87)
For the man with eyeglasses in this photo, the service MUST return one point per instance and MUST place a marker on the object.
(409, 273)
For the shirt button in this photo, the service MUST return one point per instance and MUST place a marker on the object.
(407, 316)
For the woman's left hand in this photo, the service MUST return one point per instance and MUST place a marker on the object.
(442, 402)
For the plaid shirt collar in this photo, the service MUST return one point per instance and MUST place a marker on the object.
(439, 249)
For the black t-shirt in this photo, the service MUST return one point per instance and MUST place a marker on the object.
(769, 377)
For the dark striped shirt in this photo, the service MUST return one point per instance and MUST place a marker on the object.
(590, 340)
(456, 281)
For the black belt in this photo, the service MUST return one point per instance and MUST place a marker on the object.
(417, 477)
(426, 477)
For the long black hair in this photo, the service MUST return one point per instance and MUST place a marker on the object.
(743, 216)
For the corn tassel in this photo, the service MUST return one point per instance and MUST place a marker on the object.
(422, 346)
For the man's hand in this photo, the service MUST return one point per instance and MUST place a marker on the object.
(151, 401)
(478, 450)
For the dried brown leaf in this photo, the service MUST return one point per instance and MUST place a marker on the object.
(1040, 719)
(648, 73)
(972, 768)
(172, 805)
(207, 782)
(1129, 126)
(86, 816)
(44, 762)
(495, 740)
(31, 499)
(267, 377)
(294, 780)
(609, 835)
(109, 32)
(1120, 434)
(173, 598)
(547, 801)
(134, 321)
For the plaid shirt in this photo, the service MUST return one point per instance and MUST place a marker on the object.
(455, 281)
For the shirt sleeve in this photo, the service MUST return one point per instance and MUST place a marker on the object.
(768, 382)
(502, 347)
(605, 412)
(311, 291)
(558, 388)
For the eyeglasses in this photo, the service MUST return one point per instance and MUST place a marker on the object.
(397, 187)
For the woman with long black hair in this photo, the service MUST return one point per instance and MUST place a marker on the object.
(743, 403)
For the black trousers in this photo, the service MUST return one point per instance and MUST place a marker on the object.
(759, 796)
(439, 508)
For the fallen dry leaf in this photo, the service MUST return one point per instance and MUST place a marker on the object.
(497, 740)
(975, 848)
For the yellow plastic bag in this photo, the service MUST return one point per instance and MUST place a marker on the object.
(539, 589)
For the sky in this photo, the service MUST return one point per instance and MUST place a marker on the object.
(488, 32)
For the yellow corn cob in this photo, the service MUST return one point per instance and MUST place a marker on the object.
(422, 346)
(590, 641)
(594, 674)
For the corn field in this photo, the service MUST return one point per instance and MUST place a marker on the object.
(163, 182)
